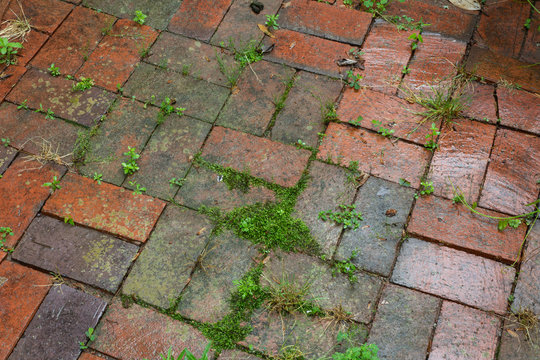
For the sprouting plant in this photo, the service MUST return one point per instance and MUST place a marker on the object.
(329, 112)
(381, 129)
(426, 188)
(271, 21)
(140, 17)
(119, 88)
(90, 336)
(167, 109)
(348, 216)
(83, 85)
(5, 141)
(186, 354)
(527, 24)
(363, 352)
(23, 105)
(301, 144)
(138, 188)
(53, 185)
(69, 220)
(416, 39)
(130, 166)
(98, 178)
(247, 287)
(8, 50)
(357, 121)
(176, 182)
(54, 70)
(346, 267)
(432, 136)
(405, 70)
(347, 2)
(353, 80)
(356, 53)
(186, 69)
(49, 115)
(4, 233)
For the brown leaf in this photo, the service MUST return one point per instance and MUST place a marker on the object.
(512, 333)
(202, 231)
(391, 212)
(265, 30)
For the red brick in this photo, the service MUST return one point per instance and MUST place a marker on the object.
(89, 356)
(307, 52)
(462, 158)
(393, 112)
(438, 219)
(34, 41)
(272, 161)
(74, 40)
(320, 19)
(3, 254)
(137, 332)
(117, 54)
(21, 291)
(23, 195)
(105, 207)
(454, 275)
(494, 67)
(511, 180)
(199, 19)
(44, 15)
(517, 342)
(480, 101)
(375, 154)
(14, 73)
(7, 154)
(529, 51)
(519, 109)
(500, 28)
(464, 333)
(527, 292)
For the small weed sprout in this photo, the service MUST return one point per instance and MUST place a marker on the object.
(416, 39)
(426, 188)
(167, 109)
(353, 80)
(405, 70)
(54, 70)
(130, 166)
(363, 352)
(381, 129)
(140, 17)
(346, 267)
(83, 85)
(271, 21)
(176, 182)
(98, 178)
(4, 233)
(432, 138)
(69, 220)
(348, 216)
(329, 113)
(138, 188)
(90, 336)
(23, 105)
(8, 50)
(5, 142)
(357, 121)
(53, 185)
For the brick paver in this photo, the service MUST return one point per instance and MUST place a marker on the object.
(7, 154)
(34, 41)
(89, 356)
(480, 101)
(519, 109)
(45, 15)
(14, 73)
(199, 19)
(517, 343)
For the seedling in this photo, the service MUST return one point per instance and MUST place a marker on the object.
(138, 188)
(346, 267)
(90, 336)
(416, 39)
(140, 17)
(353, 80)
(271, 21)
(329, 113)
(69, 220)
(130, 166)
(363, 352)
(176, 182)
(404, 182)
(348, 216)
(167, 109)
(432, 136)
(54, 70)
(23, 105)
(5, 141)
(527, 24)
(98, 178)
(49, 115)
(354, 52)
(119, 88)
(357, 121)
(8, 50)
(186, 354)
(301, 145)
(84, 84)
(381, 129)
(426, 188)
(186, 69)
(347, 2)
(405, 70)
(53, 185)
(4, 233)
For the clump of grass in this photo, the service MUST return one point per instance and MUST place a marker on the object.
(49, 154)
(17, 28)
(244, 56)
(287, 296)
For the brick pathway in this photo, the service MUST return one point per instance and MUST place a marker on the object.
(214, 235)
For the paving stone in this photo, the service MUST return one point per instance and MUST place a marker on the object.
(519, 109)
(306, 52)
(240, 23)
(226, 259)
(319, 19)
(480, 101)
(393, 113)
(199, 19)
(204, 187)
(75, 252)
(89, 356)
(324, 289)
(55, 93)
(385, 207)
(192, 57)
(127, 125)
(74, 40)
(527, 292)
(302, 116)
(33, 42)
(201, 99)
(271, 161)
(167, 154)
(250, 109)
(494, 67)
(18, 283)
(158, 12)
(138, 332)
(462, 158)
(375, 154)
(464, 333)
(529, 51)
(512, 174)
(404, 322)
(15, 73)
(7, 154)
(454, 275)
(59, 325)
(105, 207)
(44, 15)
(516, 343)
(23, 195)
(114, 59)
(163, 269)
(3, 254)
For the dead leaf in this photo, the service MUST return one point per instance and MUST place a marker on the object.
(293, 44)
(265, 30)
(391, 212)
(466, 4)
(201, 231)
(286, 5)
(512, 333)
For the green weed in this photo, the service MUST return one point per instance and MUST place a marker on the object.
(90, 336)
(348, 216)
(138, 188)
(140, 17)
(130, 166)
(381, 129)
(431, 144)
(54, 70)
(8, 51)
(4, 233)
(353, 80)
(53, 185)
(271, 21)
(346, 267)
(5, 142)
(83, 85)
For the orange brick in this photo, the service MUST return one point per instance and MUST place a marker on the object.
(199, 19)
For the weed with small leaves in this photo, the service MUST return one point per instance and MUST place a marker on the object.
(431, 144)
(348, 216)
(140, 17)
(90, 336)
(381, 129)
(130, 166)
(54, 70)
(83, 85)
(353, 80)
(53, 185)
(271, 21)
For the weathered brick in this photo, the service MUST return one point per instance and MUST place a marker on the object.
(403, 324)
(23, 195)
(306, 52)
(33, 42)
(55, 93)
(385, 207)
(529, 51)
(3, 254)
(518, 342)
(480, 102)
(74, 40)
(44, 15)
(201, 99)
(89, 356)
(527, 292)
(462, 158)
(250, 109)
(513, 172)
(198, 19)
(78, 253)
(375, 154)
(519, 109)
(454, 275)
(14, 73)
(59, 325)
(163, 269)
(21, 291)
(274, 162)
(105, 207)
(464, 333)
(138, 332)
(114, 59)
(7, 154)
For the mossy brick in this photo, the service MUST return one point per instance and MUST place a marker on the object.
(512, 175)
(527, 292)
(404, 322)
(201, 99)
(72, 43)
(385, 207)
(225, 260)
(164, 267)
(105, 207)
(44, 15)
(266, 159)
(454, 275)
(137, 332)
(79, 253)
(56, 94)
(33, 42)
(59, 325)
(23, 195)
(518, 343)
(168, 154)
(251, 107)
(14, 73)
(114, 59)
(190, 57)
(519, 109)
(129, 124)
(480, 102)
(21, 291)
(7, 154)
(199, 19)
(305, 106)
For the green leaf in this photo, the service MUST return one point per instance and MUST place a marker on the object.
(404, 182)
(503, 224)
